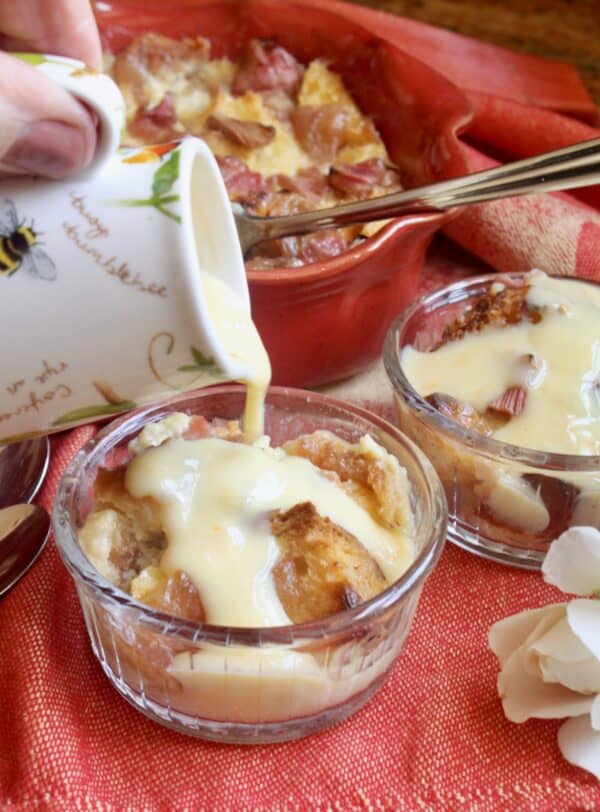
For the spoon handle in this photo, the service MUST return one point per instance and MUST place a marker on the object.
(566, 168)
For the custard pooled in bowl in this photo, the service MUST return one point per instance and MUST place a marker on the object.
(498, 380)
(204, 526)
(521, 365)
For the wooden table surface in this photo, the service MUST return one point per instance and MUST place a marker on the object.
(561, 29)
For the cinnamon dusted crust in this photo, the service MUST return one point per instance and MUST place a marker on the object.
(495, 308)
(502, 307)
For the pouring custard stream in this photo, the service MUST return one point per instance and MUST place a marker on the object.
(245, 522)
(242, 343)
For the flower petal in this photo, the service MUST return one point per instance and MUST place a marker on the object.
(572, 562)
(584, 619)
(560, 643)
(525, 696)
(595, 714)
(505, 636)
(583, 677)
(563, 658)
(580, 744)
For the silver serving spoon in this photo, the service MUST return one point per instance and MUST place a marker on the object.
(23, 467)
(24, 530)
(567, 168)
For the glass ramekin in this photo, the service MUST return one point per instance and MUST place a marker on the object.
(490, 507)
(263, 684)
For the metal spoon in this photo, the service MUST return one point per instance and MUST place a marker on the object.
(567, 168)
(23, 467)
(24, 530)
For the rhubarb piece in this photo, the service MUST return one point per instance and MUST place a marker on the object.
(357, 179)
(296, 251)
(248, 134)
(321, 245)
(510, 403)
(370, 178)
(319, 129)
(157, 124)
(462, 413)
(309, 184)
(267, 67)
(242, 184)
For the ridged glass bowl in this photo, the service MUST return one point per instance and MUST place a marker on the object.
(506, 503)
(249, 685)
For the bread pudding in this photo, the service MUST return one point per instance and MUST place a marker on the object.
(288, 137)
(205, 526)
(520, 365)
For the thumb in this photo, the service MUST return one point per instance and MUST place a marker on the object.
(45, 131)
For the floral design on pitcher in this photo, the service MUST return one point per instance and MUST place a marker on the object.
(162, 181)
(205, 369)
(20, 247)
(149, 154)
(40, 59)
(114, 405)
(201, 363)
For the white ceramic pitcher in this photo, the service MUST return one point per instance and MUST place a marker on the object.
(103, 306)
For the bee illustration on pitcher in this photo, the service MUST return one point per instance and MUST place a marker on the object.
(20, 246)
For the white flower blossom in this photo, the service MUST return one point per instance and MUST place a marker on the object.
(550, 657)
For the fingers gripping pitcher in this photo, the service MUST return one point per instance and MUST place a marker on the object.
(121, 286)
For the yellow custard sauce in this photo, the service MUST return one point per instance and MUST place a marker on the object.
(556, 360)
(213, 525)
(211, 501)
(242, 343)
(215, 500)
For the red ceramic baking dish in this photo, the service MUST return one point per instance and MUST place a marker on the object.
(326, 320)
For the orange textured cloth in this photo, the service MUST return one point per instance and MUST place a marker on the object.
(433, 738)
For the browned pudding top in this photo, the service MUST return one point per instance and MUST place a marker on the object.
(288, 137)
(320, 567)
(496, 307)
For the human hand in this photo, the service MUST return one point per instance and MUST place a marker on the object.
(44, 130)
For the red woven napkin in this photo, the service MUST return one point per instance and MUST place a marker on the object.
(555, 232)
(478, 66)
(434, 737)
(515, 99)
